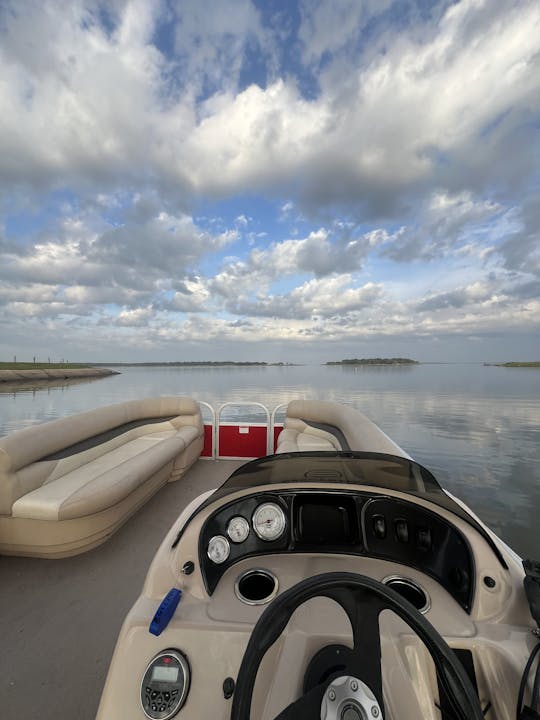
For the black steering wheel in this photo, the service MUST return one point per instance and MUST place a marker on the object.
(363, 599)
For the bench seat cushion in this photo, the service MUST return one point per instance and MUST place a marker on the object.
(104, 481)
(293, 441)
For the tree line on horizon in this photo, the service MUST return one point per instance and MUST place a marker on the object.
(374, 361)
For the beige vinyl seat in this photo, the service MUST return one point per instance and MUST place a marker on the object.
(67, 485)
(315, 425)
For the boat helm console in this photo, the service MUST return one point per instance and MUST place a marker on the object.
(344, 523)
(336, 585)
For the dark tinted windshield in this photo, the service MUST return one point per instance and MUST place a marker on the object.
(378, 470)
(355, 468)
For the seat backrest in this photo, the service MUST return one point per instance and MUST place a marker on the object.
(26, 450)
(361, 434)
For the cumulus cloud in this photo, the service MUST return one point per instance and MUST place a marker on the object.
(322, 297)
(458, 298)
(521, 250)
(148, 257)
(192, 296)
(81, 104)
(328, 28)
(448, 222)
(323, 252)
(319, 254)
(135, 318)
(165, 243)
(389, 129)
(102, 104)
(211, 41)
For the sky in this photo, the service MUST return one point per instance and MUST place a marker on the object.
(269, 180)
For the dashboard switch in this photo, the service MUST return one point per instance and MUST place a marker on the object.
(379, 526)
(423, 538)
(402, 530)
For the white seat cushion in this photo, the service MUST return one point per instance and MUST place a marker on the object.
(103, 482)
(293, 441)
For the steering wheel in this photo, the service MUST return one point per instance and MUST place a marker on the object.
(357, 692)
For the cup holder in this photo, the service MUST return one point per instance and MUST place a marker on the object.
(410, 590)
(256, 587)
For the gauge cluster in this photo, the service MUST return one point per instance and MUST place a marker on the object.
(256, 525)
(350, 523)
(267, 522)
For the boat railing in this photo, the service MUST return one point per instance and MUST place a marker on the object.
(209, 431)
(240, 430)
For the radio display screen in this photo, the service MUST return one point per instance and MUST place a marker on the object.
(162, 673)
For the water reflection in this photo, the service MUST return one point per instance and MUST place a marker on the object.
(374, 368)
(35, 386)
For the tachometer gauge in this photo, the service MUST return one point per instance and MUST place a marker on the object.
(269, 521)
(238, 529)
(218, 549)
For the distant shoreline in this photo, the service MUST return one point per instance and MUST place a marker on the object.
(27, 374)
(201, 363)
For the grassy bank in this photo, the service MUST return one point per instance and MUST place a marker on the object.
(40, 366)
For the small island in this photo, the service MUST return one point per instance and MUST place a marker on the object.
(532, 364)
(375, 361)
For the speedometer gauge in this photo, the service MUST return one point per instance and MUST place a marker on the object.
(238, 529)
(269, 521)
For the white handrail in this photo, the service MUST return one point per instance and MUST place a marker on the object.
(273, 423)
(242, 404)
(213, 421)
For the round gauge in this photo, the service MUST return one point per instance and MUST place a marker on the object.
(269, 521)
(218, 549)
(238, 529)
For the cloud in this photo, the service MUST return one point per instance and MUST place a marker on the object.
(320, 297)
(521, 250)
(139, 317)
(81, 104)
(383, 132)
(323, 252)
(103, 295)
(211, 41)
(34, 293)
(148, 257)
(328, 28)
(319, 253)
(446, 223)
(164, 243)
(458, 298)
(193, 296)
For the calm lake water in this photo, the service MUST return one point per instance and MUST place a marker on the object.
(476, 428)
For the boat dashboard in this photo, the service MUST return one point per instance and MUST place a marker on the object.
(335, 522)
(361, 505)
